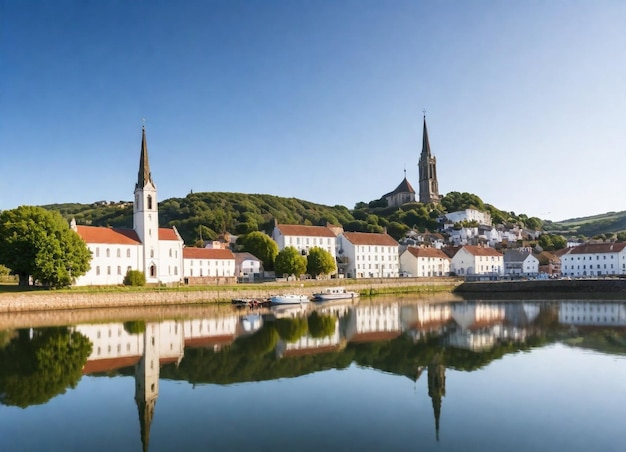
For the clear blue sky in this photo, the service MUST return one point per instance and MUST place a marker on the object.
(318, 100)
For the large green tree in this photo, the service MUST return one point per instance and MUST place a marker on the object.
(290, 262)
(39, 243)
(320, 262)
(35, 369)
(261, 246)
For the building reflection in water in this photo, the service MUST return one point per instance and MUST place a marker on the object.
(472, 326)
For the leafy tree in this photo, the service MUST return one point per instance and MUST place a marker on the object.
(321, 325)
(39, 243)
(135, 278)
(32, 371)
(4, 271)
(621, 236)
(552, 242)
(261, 246)
(320, 262)
(290, 262)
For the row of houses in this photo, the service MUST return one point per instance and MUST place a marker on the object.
(160, 252)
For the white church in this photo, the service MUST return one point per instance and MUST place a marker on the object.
(158, 252)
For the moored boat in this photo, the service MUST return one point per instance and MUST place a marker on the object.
(334, 293)
(289, 299)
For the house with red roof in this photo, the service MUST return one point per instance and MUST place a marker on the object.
(594, 259)
(424, 262)
(477, 260)
(303, 238)
(155, 251)
(208, 262)
(368, 255)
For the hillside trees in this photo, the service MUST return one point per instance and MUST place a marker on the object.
(39, 243)
(320, 262)
(261, 246)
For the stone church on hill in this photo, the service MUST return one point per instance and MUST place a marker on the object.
(158, 252)
(428, 185)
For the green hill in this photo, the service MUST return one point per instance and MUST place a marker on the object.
(592, 226)
(203, 216)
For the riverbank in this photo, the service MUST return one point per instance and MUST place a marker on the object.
(586, 286)
(51, 300)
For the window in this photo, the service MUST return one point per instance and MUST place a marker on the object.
(151, 253)
(97, 252)
(149, 202)
(108, 269)
(128, 252)
(119, 252)
(108, 252)
(119, 269)
(98, 270)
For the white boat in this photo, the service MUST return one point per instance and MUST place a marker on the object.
(289, 299)
(335, 293)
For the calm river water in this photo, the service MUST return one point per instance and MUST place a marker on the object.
(373, 375)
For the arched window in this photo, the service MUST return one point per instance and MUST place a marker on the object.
(152, 253)
(149, 202)
(152, 271)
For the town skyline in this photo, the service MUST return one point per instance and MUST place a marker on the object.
(320, 102)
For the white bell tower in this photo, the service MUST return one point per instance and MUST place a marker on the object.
(146, 214)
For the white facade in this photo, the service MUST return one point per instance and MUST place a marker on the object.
(469, 215)
(592, 314)
(369, 255)
(208, 262)
(303, 238)
(424, 262)
(475, 260)
(247, 266)
(520, 263)
(157, 252)
(594, 259)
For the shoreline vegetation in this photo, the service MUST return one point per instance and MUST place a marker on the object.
(15, 299)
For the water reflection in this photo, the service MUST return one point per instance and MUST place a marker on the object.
(233, 346)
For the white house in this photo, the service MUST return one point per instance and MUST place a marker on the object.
(148, 248)
(594, 259)
(208, 262)
(368, 255)
(247, 266)
(303, 238)
(469, 215)
(477, 260)
(520, 263)
(420, 262)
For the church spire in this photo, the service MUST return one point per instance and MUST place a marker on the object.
(145, 176)
(425, 142)
(429, 187)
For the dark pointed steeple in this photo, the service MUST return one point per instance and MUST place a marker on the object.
(436, 387)
(429, 187)
(425, 143)
(145, 176)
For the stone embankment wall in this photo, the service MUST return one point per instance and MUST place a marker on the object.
(60, 300)
(545, 286)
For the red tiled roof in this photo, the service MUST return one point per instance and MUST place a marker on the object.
(426, 252)
(98, 234)
(375, 336)
(304, 231)
(210, 341)
(369, 238)
(108, 364)
(589, 248)
(481, 251)
(168, 234)
(207, 253)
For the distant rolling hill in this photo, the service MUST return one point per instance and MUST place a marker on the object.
(591, 226)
